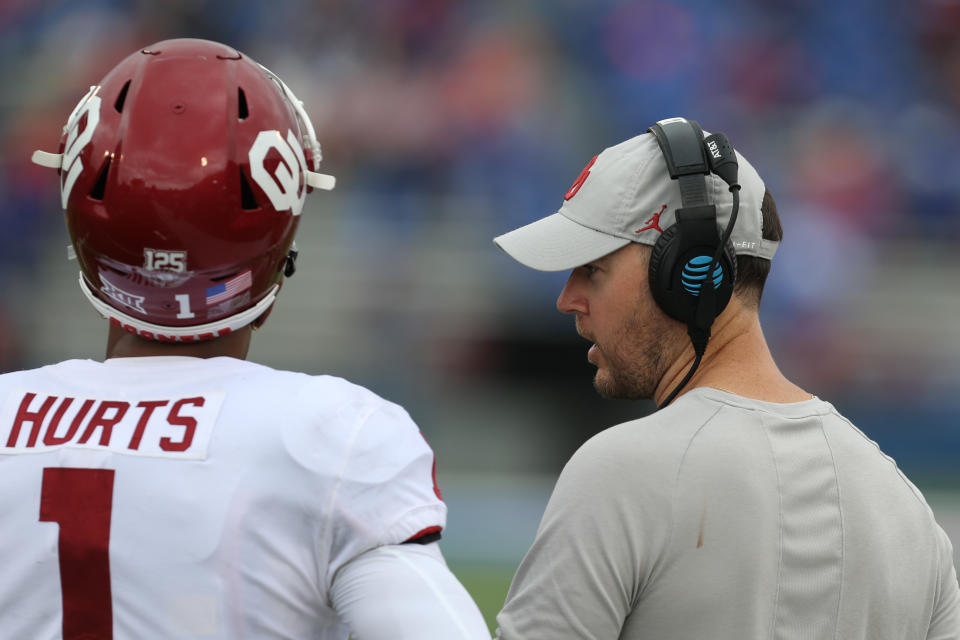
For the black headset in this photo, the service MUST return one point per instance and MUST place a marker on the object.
(693, 266)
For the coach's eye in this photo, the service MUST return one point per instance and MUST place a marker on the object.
(590, 269)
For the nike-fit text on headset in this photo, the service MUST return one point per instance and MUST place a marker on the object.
(692, 254)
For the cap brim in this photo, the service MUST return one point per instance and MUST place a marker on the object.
(556, 243)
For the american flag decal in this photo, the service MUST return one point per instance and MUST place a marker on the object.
(229, 288)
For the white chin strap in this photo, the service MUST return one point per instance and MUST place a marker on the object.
(45, 159)
(193, 333)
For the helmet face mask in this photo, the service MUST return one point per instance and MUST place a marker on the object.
(183, 174)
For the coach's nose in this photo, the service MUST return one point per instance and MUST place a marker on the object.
(571, 298)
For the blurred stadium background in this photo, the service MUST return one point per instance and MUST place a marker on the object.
(447, 123)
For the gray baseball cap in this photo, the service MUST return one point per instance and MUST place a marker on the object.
(626, 195)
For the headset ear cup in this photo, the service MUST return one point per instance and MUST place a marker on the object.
(663, 273)
(660, 273)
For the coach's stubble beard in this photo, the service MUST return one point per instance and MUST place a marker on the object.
(632, 362)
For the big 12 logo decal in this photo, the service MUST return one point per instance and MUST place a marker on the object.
(71, 166)
(283, 186)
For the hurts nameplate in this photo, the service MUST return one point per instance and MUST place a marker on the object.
(177, 427)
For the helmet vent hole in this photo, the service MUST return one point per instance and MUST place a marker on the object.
(101, 184)
(122, 97)
(242, 111)
(247, 200)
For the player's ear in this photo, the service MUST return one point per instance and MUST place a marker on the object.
(256, 324)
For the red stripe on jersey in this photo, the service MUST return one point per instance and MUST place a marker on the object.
(433, 472)
(436, 487)
(424, 532)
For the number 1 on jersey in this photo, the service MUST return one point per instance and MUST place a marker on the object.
(81, 500)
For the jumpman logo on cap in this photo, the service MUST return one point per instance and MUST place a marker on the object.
(654, 221)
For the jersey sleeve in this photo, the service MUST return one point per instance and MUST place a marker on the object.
(396, 592)
(386, 491)
(600, 533)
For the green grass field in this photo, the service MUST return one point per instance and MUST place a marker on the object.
(488, 585)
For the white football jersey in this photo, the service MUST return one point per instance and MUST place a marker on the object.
(174, 497)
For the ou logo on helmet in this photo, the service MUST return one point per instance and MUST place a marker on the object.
(283, 186)
(72, 166)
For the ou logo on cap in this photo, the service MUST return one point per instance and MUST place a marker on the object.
(283, 186)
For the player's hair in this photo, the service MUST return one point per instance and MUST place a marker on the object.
(752, 272)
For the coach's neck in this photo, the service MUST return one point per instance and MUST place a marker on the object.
(737, 360)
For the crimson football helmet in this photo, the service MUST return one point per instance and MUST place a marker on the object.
(183, 174)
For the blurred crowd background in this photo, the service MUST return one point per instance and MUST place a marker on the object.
(447, 123)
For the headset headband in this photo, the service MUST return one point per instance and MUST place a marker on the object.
(681, 142)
